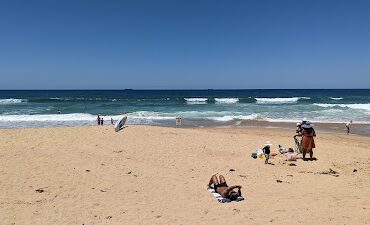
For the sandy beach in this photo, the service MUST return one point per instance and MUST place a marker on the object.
(158, 175)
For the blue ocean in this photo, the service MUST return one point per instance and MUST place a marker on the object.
(47, 108)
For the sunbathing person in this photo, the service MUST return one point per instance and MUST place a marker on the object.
(224, 190)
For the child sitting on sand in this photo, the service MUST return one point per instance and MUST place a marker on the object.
(266, 151)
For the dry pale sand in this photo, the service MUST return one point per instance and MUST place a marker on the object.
(157, 175)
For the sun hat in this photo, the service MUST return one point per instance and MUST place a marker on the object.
(304, 120)
(298, 124)
(268, 143)
(307, 125)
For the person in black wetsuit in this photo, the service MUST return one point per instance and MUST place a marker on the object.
(223, 189)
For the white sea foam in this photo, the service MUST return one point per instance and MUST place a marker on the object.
(352, 106)
(73, 119)
(196, 100)
(48, 117)
(336, 98)
(149, 115)
(10, 101)
(226, 100)
(223, 116)
(234, 117)
(325, 120)
(279, 100)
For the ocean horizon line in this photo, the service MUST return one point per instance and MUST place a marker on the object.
(180, 89)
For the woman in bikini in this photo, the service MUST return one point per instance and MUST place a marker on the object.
(223, 189)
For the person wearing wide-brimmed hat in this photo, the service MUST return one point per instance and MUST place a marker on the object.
(308, 142)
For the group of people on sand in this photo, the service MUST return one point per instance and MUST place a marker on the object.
(305, 134)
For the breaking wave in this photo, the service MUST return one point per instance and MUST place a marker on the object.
(351, 106)
(336, 98)
(196, 100)
(226, 100)
(10, 101)
(279, 100)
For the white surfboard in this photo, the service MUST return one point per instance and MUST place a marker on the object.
(120, 123)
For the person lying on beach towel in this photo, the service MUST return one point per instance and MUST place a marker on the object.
(223, 189)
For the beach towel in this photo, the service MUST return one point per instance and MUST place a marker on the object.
(222, 199)
(297, 140)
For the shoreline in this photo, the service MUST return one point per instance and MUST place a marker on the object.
(360, 129)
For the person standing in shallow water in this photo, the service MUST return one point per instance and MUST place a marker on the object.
(98, 119)
(348, 126)
(308, 142)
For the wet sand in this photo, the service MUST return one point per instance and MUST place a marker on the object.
(340, 128)
(158, 175)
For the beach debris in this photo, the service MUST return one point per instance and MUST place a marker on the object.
(236, 210)
(330, 172)
(40, 190)
(87, 170)
(289, 175)
(129, 172)
(292, 164)
(280, 181)
(355, 170)
(244, 176)
(305, 172)
(108, 217)
(231, 170)
(103, 191)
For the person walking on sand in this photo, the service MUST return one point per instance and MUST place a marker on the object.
(102, 121)
(348, 126)
(267, 151)
(308, 142)
(111, 121)
(223, 189)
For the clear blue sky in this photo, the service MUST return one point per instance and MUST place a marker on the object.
(184, 44)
